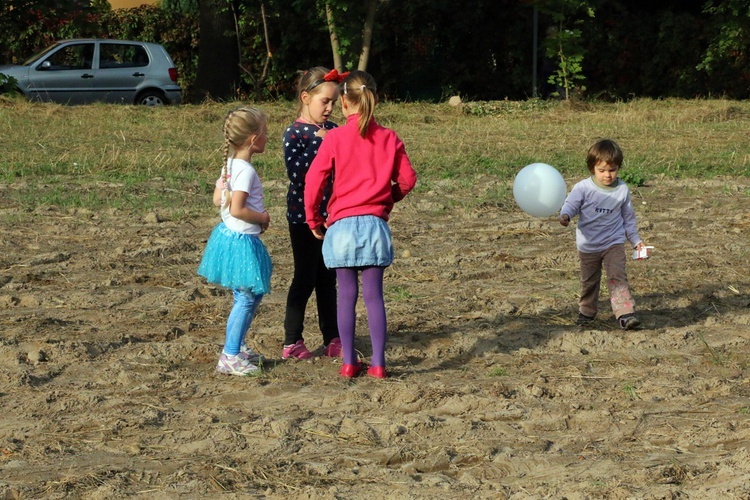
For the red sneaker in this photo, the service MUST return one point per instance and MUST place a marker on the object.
(377, 372)
(350, 371)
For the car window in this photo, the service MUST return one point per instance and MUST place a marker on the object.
(120, 55)
(39, 55)
(77, 56)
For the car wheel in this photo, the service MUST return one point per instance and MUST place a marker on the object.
(152, 98)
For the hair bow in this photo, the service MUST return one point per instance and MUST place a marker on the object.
(334, 76)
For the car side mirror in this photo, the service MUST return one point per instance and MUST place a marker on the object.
(45, 65)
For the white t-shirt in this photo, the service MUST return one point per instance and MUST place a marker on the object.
(242, 177)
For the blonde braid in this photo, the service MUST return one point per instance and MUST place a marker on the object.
(239, 125)
(226, 172)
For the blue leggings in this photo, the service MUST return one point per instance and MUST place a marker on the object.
(372, 293)
(240, 319)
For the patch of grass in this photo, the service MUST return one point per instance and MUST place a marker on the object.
(494, 108)
(64, 197)
(497, 196)
(398, 293)
(630, 392)
(498, 371)
(43, 144)
(633, 178)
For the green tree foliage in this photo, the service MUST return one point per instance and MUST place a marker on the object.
(564, 44)
(430, 49)
(101, 5)
(189, 7)
(298, 40)
(350, 26)
(727, 58)
(254, 35)
(27, 26)
(639, 48)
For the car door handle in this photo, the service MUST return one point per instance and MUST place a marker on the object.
(86, 75)
(137, 73)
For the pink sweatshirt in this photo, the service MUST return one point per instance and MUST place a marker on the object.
(369, 174)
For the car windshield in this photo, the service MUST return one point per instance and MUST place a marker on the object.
(39, 55)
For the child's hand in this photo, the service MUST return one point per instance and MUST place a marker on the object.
(321, 132)
(564, 220)
(318, 233)
(264, 225)
(641, 251)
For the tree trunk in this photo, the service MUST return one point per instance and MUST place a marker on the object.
(335, 46)
(364, 55)
(218, 75)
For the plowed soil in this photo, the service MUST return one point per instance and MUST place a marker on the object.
(109, 339)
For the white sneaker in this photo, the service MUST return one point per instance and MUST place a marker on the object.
(235, 365)
(250, 355)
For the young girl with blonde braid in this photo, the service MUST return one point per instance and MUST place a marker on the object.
(317, 92)
(235, 257)
(372, 172)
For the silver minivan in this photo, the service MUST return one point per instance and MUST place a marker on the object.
(93, 70)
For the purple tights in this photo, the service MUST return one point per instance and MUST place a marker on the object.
(372, 294)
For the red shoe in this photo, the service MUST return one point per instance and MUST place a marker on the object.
(377, 372)
(350, 371)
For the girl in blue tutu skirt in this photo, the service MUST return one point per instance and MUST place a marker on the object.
(235, 257)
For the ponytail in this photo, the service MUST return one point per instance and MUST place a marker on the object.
(366, 110)
(360, 89)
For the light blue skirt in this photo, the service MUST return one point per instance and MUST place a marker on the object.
(236, 261)
(360, 241)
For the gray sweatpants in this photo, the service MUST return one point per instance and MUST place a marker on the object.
(613, 261)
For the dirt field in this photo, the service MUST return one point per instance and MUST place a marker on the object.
(109, 340)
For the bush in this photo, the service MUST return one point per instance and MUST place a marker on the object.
(8, 84)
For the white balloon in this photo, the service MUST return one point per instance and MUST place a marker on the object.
(539, 190)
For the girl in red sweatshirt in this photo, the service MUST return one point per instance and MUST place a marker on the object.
(372, 172)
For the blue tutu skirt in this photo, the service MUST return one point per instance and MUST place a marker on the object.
(236, 261)
(359, 241)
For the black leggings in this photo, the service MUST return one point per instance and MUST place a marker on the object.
(310, 273)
